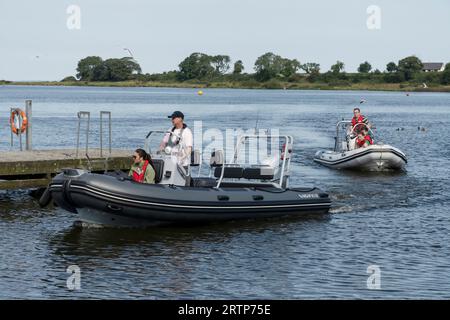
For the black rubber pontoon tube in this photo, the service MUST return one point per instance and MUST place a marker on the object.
(46, 198)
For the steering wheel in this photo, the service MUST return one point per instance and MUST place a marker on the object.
(353, 131)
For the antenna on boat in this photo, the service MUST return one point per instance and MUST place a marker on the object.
(257, 120)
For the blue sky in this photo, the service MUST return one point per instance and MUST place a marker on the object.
(37, 45)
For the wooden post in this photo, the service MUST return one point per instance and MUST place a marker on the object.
(29, 113)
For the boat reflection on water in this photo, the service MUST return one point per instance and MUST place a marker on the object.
(169, 261)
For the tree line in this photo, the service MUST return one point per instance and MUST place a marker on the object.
(94, 68)
(267, 67)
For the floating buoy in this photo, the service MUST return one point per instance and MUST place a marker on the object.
(200, 92)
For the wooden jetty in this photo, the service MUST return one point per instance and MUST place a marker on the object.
(29, 169)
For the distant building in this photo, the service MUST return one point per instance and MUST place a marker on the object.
(433, 67)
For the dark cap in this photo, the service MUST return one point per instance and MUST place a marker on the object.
(177, 114)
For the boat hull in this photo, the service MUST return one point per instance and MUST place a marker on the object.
(106, 200)
(372, 158)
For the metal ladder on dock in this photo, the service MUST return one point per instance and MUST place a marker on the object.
(86, 117)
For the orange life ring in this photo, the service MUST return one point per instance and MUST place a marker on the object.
(14, 127)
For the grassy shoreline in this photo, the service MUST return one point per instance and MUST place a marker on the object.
(239, 85)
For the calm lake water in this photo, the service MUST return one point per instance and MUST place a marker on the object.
(398, 222)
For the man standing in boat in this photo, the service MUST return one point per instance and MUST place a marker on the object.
(179, 140)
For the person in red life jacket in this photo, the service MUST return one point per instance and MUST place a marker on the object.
(363, 140)
(367, 135)
(142, 169)
(359, 120)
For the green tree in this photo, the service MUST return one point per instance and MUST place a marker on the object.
(101, 73)
(95, 69)
(117, 69)
(267, 66)
(337, 67)
(221, 63)
(409, 66)
(270, 65)
(289, 67)
(311, 67)
(391, 67)
(132, 65)
(238, 67)
(364, 67)
(445, 77)
(86, 66)
(196, 66)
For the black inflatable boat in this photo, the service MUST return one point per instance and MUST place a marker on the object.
(232, 193)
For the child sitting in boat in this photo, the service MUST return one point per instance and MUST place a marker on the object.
(368, 134)
(142, 169)
(364, 140)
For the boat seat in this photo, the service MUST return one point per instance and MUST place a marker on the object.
(159, 168)
(237, 172)
(195, 158)
(259, 173)
(246, 184)
(217, 158)
(203, 182)
(230, 172)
